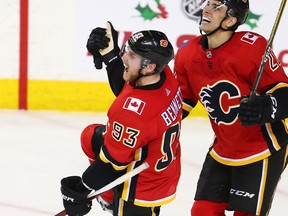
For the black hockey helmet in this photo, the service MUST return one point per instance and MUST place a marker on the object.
(153, 46)
(238, 9)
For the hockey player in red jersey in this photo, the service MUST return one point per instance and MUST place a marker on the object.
(143, 126)
(249, 152)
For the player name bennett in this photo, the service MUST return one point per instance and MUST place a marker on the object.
(170, 114)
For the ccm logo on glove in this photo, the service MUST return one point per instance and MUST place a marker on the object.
(66, 198)
(274, 107)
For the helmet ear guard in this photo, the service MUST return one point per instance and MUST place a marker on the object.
(144, 62)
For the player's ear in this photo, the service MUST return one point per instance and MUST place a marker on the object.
(231, 21)
(150, 68)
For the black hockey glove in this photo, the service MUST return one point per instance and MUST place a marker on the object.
(74, 195)
(258, 110)
(102, 44)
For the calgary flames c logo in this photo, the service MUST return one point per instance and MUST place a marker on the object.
(222, 106)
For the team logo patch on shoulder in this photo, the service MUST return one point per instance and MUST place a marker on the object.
(134, 104)
(249, 38)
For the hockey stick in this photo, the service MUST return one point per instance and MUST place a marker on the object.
(114, 183)
(267, 50)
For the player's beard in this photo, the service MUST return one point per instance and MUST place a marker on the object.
(129, 75)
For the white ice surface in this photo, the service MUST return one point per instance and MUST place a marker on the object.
(37, 149)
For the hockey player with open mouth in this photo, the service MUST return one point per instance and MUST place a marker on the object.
(249, 151)
(143, 126)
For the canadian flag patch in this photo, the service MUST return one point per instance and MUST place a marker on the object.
(134, 104)
(249, 38)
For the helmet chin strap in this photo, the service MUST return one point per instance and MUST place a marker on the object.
(140, 75)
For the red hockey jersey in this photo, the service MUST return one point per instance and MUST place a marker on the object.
(218, 78)
(144, 126)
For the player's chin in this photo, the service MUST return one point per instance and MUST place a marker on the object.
(203, 26)
(127, 76)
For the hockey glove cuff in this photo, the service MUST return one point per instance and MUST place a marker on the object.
(98, 60)
(74, 195)
(257, 110)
